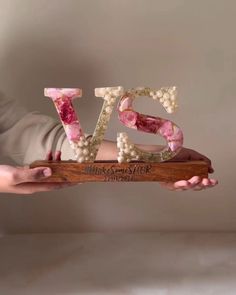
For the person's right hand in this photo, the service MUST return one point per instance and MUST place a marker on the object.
(23, 180)
(195, 183)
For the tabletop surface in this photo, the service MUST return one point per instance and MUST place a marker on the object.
(118, 263)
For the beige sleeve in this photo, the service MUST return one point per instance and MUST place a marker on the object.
(26, 137)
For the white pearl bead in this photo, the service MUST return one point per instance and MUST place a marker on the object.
(166, 95)
(81, 159)
(85, 152)
(159, 93)
(126, 151)
(112, 99)
(120, 159)
(133, 153)
(170, 110)
(107, 97)
(172, 92)
(108, 110)
(166, 104)
(80, 143)
(120, 144)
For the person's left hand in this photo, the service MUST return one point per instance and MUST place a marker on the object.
(194, 183)
(50, 157)
(25, 180)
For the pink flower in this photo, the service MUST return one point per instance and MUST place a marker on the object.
(172, 134)
(148, 124)
(74, 131)
(166, 129)
(128, 118)
(125, 103)
(175, 145)
(177, 134)
(66, 111)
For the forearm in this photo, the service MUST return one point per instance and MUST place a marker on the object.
(108, 150)
(25, 136)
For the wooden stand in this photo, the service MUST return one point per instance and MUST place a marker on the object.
(112, 171)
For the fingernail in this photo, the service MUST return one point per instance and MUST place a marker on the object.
(47, 172)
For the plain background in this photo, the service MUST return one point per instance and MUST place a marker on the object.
(88, 44)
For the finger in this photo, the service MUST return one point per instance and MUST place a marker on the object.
(58, 156)
(213, 182)
(204, 184)
(182, 184)
(49, 156)
(22, 175)
(30, 188)
(195, 180)
(207, 183)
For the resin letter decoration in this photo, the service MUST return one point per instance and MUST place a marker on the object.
(165, 128)
(85, 148)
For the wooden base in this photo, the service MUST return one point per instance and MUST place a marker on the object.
(112, 171)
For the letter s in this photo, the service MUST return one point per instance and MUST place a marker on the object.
(165, 128)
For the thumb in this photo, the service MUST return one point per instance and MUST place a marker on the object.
(31, 175)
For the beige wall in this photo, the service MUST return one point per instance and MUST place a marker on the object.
(191, 44)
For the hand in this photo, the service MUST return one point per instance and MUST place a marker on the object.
(194, 183)
(23, 180)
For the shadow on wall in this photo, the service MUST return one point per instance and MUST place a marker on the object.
(33, 62)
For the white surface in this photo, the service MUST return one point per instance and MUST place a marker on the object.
(140, 264)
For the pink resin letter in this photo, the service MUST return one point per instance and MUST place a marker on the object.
(85, 148)
(165, 128)
(62, 98)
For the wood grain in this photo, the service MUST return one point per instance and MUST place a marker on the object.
(112, 171)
